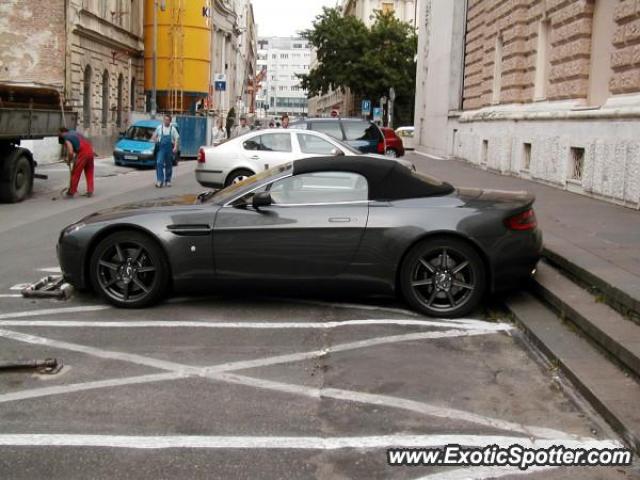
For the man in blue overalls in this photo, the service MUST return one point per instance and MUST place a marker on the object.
(167, 138)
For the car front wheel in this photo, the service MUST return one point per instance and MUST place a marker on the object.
(391, 153)
(128, 269)
(443, 277)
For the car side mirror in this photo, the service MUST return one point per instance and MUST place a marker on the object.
(121, 134)
(336, 152)
(261, 199)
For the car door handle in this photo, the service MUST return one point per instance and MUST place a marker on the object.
(255, 157)
(339, 220)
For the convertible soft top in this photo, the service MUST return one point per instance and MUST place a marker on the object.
(388, 179)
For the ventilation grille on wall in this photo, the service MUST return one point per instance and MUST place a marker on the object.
(576, 165)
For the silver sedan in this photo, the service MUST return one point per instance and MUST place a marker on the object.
(254, 152)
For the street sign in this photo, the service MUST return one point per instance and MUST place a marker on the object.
(377, 114)
(366, 107)
(220, 82)
(334, 113)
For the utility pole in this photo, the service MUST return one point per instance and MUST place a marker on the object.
(154, 74)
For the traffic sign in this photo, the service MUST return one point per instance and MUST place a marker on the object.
(366, 107)
(220, 82)
(377, 114)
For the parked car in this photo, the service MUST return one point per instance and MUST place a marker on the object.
(135, 148)
(395, 147)
(363, 135)
(345, 222)
(254, 152)
(407, 134)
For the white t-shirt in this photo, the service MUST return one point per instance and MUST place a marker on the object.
(170, 130)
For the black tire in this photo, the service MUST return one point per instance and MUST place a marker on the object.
(129, 270)
(16, 181)
(237, 175)
(448, 289)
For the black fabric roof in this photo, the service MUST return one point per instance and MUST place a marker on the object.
(388, 179)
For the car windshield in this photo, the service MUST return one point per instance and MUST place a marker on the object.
(143, 134)
(226, 194)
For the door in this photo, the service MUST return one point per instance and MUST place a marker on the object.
(268, 150)
(312, 229)
(315, 146)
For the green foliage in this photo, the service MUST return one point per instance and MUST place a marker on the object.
(368, 61)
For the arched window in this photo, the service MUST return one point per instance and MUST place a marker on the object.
(132, 93)
(120, 100)
(105, 98)
(86, 98)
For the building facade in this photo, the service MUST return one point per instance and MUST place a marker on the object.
(546, 90)
(91, 50)
(344, 102)
(283, 58)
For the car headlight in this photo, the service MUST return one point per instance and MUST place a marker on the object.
(148, 152)
(118, 150)
(73, 228)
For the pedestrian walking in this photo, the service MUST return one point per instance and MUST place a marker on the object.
(218, 132)
(79, 155)
(167, 139)
(242, 128)
(285, 121)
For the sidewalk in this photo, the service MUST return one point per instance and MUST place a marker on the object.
(599, 238)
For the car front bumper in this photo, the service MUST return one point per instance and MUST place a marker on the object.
(134, 159)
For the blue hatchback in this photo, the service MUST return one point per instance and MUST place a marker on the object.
(135, 148)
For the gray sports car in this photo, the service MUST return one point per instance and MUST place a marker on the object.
(353, 222)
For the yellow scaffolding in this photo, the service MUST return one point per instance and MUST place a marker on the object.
(176, 63)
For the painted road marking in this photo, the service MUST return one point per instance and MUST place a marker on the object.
(10, 295)
(461, 324)
(19, 286)
(50, 270)
(217, 373)
(355, 306)
(483, 473)
(294, 443)
(53, 311)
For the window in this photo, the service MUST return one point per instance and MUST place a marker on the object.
(315, 145)
(485, 152)
(270, 142)
(284, 55)
(320, 187)
(274, 56)
(542, 62)
(105, 98)
(120, 100)
(132, 93)
(497, 71)
(361, 131)
(330, 128)
(86, 98)
(297, 45)
(387, 7)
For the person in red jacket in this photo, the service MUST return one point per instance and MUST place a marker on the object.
(78, 146)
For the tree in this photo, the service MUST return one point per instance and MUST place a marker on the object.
(367, 61)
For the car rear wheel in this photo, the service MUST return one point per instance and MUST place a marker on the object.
(391, 153)
(238, 176)
(128, 269)
(443, 277)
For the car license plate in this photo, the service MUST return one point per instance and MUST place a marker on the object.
(130, 157)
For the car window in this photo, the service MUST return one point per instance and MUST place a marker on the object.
(315, 145)
(269, 142)
(361, 131)
(330, 128)
(320, 187)
(140, 133)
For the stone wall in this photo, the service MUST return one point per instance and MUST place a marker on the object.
(516, 23)
(625, 61)
(32, 41)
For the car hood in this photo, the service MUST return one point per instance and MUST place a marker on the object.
(144, 207)
(134, 145)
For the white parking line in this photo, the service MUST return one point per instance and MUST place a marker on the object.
(10, 295)
(53, 311)
(51, 270)
(483, 473)
(297, 443)
(462, 324)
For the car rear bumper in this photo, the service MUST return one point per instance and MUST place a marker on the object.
(210, 178)
(515, 260)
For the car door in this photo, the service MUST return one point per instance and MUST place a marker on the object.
(268, 149)
(362, 135)
(312, 229)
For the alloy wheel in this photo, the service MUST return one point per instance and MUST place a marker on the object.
(443, 280)
(126, 272)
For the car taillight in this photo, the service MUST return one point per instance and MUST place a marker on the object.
(201, 155)
(522, 221)
(381, 147)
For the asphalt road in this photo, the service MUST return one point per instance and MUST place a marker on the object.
(220, 387)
